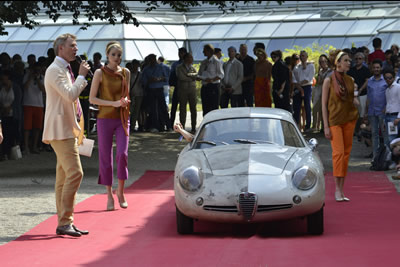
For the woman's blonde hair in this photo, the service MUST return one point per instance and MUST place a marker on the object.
(113, 44)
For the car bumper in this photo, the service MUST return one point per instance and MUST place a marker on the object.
(273, 200)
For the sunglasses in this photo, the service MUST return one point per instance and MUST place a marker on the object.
(388, 78)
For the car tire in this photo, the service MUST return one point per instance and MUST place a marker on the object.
(315, 222)
(184, 223)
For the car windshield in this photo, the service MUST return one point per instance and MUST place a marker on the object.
(248, 131)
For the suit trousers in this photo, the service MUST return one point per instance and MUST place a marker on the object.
(209, 97)
(186, 95)
(174, 105)
(69, 175)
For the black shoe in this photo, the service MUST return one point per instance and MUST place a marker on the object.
(82, 232)
(369, 156)
(67, 230)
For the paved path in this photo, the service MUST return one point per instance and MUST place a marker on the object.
(27, 185)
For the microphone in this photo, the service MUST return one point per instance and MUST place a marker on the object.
(79, 60)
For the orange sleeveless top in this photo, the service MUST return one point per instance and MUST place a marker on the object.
(341, 111)
(111, 90)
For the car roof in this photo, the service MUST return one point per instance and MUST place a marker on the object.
(247, 112)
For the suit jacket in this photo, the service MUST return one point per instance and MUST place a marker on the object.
(234, 77)
(60, 117)
(185, 83)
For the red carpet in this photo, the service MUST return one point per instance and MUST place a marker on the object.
(363, 232)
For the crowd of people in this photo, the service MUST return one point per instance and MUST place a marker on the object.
(290, 83)
(352, 90)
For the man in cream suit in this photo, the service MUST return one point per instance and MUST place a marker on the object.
(231, 87)
(62, 129)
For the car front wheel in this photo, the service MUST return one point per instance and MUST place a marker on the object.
(315, 222)
(184, 223)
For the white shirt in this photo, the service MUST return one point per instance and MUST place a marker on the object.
(227, 70)
(211, 68)
(33, 96)
(66, 64)
(393, 98)
(300, 74)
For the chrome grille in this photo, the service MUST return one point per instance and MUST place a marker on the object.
(262, 208)
(221, 208)
(247, 204)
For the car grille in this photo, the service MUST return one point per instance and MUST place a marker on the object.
(221, 208)
(262, 208)
(247, 204)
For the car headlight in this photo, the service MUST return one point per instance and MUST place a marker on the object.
(191, 178)
(304, 178)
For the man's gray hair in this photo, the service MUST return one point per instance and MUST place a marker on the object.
(61, 41)
(360, 54)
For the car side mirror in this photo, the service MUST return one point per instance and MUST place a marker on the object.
(313, 143)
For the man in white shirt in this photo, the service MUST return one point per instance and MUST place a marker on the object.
(231, 88)
(392, 105)
(303, 75)
(210, 75)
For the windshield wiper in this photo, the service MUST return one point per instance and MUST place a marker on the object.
(245, 141)
(207, 142)
(268, 142)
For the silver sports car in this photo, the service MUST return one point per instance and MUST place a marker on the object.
(249, 165)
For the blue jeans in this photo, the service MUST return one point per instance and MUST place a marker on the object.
(391, 118)
(377, 126)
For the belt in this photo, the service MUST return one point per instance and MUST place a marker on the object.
(392, 114)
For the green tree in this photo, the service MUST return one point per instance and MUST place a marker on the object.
(24, 12)
(314, 52)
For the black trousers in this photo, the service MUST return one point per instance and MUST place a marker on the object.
(248, 94)
(236, 100)
(174, 105)
(209, 97)
(158, 113)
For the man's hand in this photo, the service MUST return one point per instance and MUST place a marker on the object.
(84, 68)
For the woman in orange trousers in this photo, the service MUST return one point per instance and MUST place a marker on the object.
(340, 115)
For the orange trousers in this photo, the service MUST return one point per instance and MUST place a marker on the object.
(341, 142)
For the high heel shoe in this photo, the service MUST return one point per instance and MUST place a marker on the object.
(124, 204)
(110, 204)
(338, 197)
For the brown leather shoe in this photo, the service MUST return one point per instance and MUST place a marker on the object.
(67, 230)
(82, 232)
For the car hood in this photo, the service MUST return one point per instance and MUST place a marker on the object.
(248, 159)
